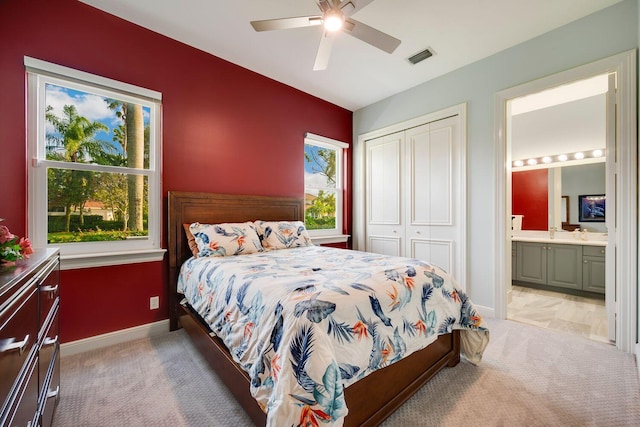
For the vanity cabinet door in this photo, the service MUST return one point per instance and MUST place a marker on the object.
(532, 262)
(565, 266)
(593, 269)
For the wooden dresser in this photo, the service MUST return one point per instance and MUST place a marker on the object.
(29, 344)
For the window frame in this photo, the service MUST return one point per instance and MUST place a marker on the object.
(89, 254)
(334, 235)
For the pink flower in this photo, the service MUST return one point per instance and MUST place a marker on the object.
(5, 234)
(25, 247)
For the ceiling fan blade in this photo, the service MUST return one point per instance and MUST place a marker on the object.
(349, 7)
(324, 51)
(324, 5)
(370, 35)
(286, 23)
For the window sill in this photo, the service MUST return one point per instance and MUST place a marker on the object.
(336, 238)
(72, 262)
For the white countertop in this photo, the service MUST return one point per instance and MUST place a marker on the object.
(561, 237)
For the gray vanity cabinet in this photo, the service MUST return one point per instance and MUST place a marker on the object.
(578, 267)
(593, 269)
(549, 264)
(564, 266)
(531, 262)
(514, 260)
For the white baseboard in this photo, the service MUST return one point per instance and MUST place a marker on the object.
(116, 337)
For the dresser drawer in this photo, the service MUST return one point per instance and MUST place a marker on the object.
(49, 289)
(23, 405)
(51, 395)
(18, 334)
(48, 350)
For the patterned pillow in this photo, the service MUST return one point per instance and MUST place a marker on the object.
(191, 240)
(225, 239)
(283, 234)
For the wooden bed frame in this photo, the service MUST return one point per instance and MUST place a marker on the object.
(369, 400)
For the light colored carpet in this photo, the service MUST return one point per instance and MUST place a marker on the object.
(529, 377)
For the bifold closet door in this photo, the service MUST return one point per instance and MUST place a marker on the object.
(384, 203)
(432, 177)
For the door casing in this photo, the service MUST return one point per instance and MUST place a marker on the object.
(626, 264)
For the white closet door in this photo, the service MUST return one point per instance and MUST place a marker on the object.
(433, 188)
(385, 228)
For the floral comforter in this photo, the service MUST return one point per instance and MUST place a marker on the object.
(307, 322)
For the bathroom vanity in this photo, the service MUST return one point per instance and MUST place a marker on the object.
(567, 262)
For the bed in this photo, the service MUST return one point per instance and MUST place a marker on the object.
(370, 399)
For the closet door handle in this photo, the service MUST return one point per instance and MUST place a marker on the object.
(20, 345)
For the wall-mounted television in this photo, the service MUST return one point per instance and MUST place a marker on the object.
(592, 208)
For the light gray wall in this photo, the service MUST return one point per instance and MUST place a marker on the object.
(608, 32)
(583, 180)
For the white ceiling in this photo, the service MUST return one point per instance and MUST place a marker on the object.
(458, 31)
(565, 128)
(566, 119)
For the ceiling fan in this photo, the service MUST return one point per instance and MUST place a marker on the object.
(335, 17)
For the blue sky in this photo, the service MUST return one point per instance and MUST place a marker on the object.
(313, 179)
(93, 107)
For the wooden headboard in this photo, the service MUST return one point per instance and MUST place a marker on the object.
(210, 208)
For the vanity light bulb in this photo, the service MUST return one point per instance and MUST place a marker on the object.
(597, 153)
(579, 156)
(532, 162)
(518, 163)
(562, 157)
(546, 159)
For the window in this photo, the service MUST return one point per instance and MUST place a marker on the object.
(94, 177)
(323, 188)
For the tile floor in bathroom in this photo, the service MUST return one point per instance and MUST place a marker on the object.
(558, 311)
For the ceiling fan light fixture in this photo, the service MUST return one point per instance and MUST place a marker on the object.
(333, 21)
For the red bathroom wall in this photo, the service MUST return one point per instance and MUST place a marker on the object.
(530, 197)
(224, 129)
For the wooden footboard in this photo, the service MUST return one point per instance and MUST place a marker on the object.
(369, 400)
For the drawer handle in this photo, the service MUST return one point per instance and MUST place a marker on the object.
(49, 288)
(49, 341)
(53, 393)
(585, 261)
(20, 345)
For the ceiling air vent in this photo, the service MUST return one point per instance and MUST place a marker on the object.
(420, 56)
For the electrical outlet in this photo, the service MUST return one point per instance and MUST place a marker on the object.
(154, 303)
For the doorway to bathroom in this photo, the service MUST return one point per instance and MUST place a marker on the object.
(554, 266)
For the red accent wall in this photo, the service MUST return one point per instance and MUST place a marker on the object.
(530, 197)
(225, 129)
